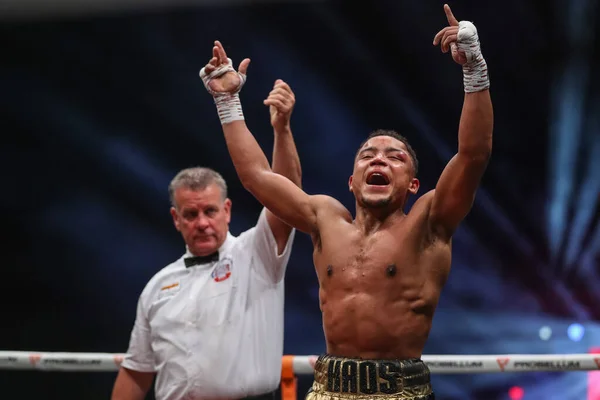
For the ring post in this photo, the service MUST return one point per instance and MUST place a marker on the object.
(289, 381)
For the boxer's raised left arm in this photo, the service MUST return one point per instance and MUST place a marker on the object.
(456, 187)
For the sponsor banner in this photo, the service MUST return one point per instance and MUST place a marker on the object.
(448, 366)
(83, 362)
(511, 363)
(11, 361)
(531, 363)
(60, 361)
(540, 365)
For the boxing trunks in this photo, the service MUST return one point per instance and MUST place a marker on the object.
(358, 379)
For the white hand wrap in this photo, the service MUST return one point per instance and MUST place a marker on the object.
(228, 104)
(475, 73)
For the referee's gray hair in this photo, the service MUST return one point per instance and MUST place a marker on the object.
(196, 178)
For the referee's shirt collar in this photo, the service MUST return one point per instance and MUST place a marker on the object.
(222, 250)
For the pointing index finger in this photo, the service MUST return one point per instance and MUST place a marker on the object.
(221, 52)
(452, 21)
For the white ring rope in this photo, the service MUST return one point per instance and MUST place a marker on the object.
(303, 365)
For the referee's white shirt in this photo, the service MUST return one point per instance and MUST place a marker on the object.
(215, 330)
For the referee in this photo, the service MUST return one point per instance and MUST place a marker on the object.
(210, 324)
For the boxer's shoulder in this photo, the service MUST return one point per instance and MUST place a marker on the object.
(329, 207)
(423, 204)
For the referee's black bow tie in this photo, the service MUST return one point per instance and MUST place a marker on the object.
(197, 260)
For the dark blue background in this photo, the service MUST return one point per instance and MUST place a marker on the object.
(99, 112)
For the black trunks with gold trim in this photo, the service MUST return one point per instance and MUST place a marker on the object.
(351, 378)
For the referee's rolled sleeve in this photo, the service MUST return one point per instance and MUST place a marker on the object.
(139, 355)
(269, 264)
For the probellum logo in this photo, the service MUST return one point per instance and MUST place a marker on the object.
(34, 359)
(502, 363)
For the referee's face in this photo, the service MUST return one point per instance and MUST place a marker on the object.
(202, 217)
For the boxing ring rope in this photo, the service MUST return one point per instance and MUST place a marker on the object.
(293, 365)
(303, 365)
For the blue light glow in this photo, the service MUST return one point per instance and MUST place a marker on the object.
(576, 332)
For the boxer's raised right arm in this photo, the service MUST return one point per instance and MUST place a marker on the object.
(277, 193)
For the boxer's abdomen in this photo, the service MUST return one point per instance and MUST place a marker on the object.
(363, 325)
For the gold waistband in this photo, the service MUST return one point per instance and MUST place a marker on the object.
(347, 378)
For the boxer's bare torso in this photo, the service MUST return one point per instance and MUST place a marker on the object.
(379, 285)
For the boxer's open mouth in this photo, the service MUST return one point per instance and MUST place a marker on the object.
(377, 179)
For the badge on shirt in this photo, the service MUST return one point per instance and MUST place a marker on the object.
(223, 270)
(169, 290)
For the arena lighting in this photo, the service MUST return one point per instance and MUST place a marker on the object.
(576, 332)
(516, 393)
(545, 332)
(593, 378)
(44, 9)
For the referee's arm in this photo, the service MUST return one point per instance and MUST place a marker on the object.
(286, 161)
(132, 385)
(137, 371)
